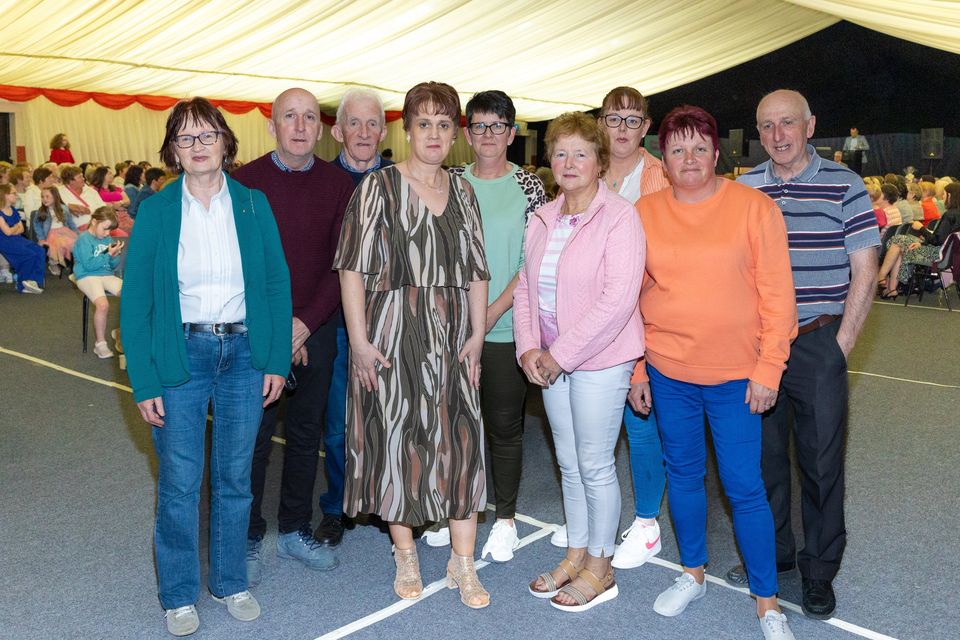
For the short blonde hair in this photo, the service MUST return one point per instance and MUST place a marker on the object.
(577, 123)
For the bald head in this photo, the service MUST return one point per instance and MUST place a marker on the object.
(783, 97)
(785, 124)
(295, 123)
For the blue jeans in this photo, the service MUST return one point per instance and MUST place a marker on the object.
(646, 461)
(334, 445)
(736, 439)
(222, 378)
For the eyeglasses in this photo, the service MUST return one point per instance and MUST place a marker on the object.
(206, 138)
(633, 122)
(496, 128)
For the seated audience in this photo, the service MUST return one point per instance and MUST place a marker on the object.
(54, 227)
(25, 257)
(95, 258)
(80, 198)
(927, 202)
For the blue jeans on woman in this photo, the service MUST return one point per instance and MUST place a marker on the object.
(223, 379)
(646, 461)
(736, 440)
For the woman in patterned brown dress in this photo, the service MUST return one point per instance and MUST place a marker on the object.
(413, 278)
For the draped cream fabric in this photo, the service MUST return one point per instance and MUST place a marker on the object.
(934, 23)
(551, 56)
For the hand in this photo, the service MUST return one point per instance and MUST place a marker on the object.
(300, 356)
(845, 344)
(492, 318)
(913, 246)
(152, 411)
(470, 354)
(548, 367)
(916, 225)
(78, 209)
(115, 248)
(364, 358)
(528, 362)
(759, 397)
(300, 334)
(272, 386)
(640, 398)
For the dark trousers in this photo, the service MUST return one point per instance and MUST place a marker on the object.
(303, 427)
(814, 386)
(503, 390)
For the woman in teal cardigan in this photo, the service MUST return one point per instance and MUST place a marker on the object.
(206, 319)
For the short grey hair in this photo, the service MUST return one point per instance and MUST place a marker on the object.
(358, 93)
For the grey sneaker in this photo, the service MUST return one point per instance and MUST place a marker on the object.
(254, 561)
(774, 626)
(182, 621)
(242, 606)
(301, 545)
(674, 600)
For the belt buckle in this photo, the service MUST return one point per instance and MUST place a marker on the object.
(220, 329)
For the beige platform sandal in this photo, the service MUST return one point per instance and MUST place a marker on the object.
(553, 587)
(462, 573)
(407, 584)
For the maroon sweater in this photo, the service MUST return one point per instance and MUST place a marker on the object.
(308, 206)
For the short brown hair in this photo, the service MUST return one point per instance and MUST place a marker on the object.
(105, 213)
(624, 98)
(577, 123)
(196, 110)
(68, 172)
(441, 96)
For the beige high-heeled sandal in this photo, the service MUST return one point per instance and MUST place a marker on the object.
(462, 573)
(407, 584)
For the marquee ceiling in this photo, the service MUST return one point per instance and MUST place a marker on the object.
(550, 56)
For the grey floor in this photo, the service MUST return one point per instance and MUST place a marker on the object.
(77, 474)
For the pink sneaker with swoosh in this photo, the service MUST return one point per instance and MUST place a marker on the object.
(638, 544)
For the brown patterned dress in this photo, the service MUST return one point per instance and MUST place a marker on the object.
(415, 446)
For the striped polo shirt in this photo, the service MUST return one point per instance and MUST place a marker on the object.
(828, 216)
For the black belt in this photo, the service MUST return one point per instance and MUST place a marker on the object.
(816, 323)
(219, 329)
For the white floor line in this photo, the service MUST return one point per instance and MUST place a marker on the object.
(916, 306)
(428, 591)
(545, 528)
(932, 384)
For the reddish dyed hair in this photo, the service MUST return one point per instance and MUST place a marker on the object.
(441, 97)
(687, 121)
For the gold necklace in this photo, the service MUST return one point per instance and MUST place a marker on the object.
(438, 188)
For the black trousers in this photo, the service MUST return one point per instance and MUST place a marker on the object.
(814, 387)
(503, 390)
(306, 408)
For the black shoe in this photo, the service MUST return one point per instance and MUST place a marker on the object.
(329, 532)
(819, 600)
(737, 576)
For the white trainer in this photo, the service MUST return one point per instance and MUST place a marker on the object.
(774, 626)
(182, 621)
(102, 350)
(31, 286)
(559, 537)
(242, 606)
(674, 600)
(439, 538)
(502, 542)
(638, 544)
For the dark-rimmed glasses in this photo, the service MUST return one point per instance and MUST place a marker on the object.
(613, 121)
(206, 138)
(496, 128)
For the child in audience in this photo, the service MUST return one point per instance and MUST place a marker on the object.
(95, 257)
(102, 181)
(55, 228)
(25, 257)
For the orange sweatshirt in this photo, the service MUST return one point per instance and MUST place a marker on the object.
(717, 298)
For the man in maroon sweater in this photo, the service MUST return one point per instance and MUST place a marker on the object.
(308, 197)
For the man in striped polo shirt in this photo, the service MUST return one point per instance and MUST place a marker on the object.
(833, 251)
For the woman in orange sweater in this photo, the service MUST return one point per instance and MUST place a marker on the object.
(719, 314)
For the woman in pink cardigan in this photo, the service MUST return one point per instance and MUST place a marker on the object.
(579, 332)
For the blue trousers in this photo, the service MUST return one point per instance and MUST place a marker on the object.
(736, 440)
(646, 461)
(334, 444)
(27, 258)
(221, 377)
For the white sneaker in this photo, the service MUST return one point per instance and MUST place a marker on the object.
(242, 606)
(674, 600)
(30, 286)
(102, 350)
(6, 277)
(774, 626)
(182, 621)
(439, 538)
(502, 542)
(639, 543)
(559, 537)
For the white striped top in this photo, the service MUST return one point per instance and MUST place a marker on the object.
(547, 284)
